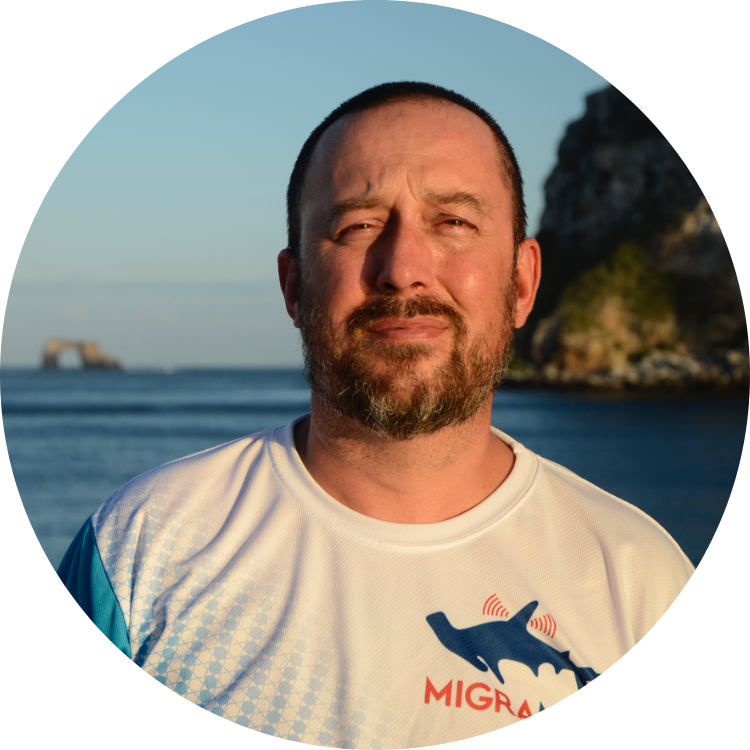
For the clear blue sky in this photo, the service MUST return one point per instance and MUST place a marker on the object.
(159, 237)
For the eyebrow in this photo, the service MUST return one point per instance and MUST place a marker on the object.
(355, 204)
(461, 198)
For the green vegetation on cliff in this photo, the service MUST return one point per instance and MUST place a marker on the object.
(626, 276)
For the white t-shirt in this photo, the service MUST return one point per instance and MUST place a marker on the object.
(239, 583)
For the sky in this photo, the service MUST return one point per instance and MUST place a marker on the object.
(159, 237)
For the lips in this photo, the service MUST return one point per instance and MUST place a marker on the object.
(421, 329)
(407, 324)
(396, 319)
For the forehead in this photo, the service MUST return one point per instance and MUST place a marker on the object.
(424, 140)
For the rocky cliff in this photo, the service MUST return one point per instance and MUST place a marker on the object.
(635, 268)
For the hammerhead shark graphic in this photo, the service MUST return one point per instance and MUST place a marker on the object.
(485, 645)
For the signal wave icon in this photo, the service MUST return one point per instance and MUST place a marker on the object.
(545, 624)
(493, 606)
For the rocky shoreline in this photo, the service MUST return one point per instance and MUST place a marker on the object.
(657, 371)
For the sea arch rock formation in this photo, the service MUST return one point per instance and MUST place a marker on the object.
(92, 358)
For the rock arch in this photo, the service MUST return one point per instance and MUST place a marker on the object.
(92, 358)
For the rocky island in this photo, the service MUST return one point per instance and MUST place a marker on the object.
(92, 358)
(638, 287)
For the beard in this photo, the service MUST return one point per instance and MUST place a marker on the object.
(390, 397)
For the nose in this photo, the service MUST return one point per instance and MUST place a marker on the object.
(405, 262)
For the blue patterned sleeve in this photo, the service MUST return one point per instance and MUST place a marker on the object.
(83, 574)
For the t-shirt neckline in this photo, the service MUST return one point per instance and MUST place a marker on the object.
(343, 520)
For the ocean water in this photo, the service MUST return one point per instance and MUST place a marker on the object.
(75, 436)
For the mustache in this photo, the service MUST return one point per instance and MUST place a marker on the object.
(411, 307)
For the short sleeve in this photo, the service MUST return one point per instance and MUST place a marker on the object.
(83, 574)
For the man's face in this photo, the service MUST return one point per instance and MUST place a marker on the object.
(407, 288)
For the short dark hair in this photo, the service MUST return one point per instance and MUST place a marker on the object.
(402, 91)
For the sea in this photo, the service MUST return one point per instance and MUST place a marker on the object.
(75, 436)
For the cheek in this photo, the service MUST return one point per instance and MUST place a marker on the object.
(333, 284)
(475, 286)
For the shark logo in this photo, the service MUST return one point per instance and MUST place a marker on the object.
(485, 645)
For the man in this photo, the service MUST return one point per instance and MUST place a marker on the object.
(389, 570)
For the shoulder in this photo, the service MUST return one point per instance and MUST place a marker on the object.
(190, 473)
(612, 548)
(618, 524)
(188, 498)
(558, 495)
(644, 568)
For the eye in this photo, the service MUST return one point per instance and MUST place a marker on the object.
(359, 230)
(362, 227)
(456, 223)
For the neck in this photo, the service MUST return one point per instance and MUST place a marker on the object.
(424, 479)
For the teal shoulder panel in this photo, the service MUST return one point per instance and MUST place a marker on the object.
(83, 574)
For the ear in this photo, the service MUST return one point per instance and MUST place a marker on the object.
(288, 281)
(529, 273)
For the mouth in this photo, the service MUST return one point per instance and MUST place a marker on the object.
(419, 329)
(415, 322)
